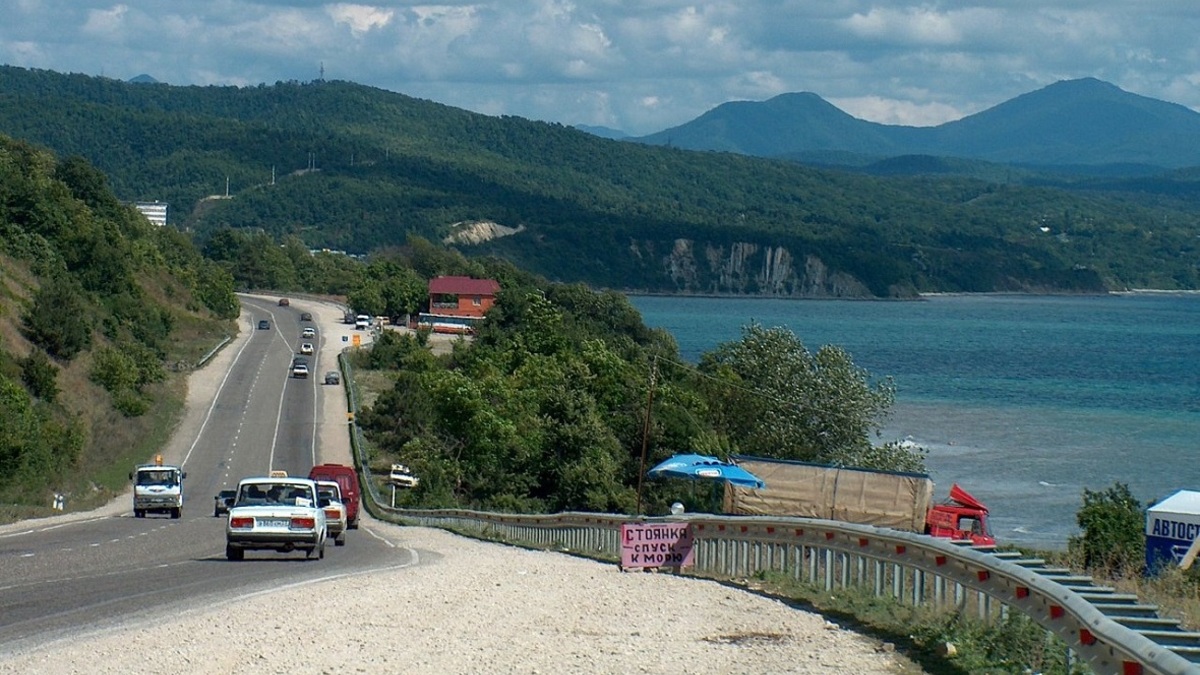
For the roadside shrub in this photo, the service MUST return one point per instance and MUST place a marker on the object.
(1016, 644)
(57, 320)
(1113, 525)
(40, 376)
(128, 366)
(114, 370)
(131, 403)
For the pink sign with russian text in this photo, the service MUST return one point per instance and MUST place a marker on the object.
(656, 545)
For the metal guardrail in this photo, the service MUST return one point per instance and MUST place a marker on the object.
(213, 352)
(910, 567)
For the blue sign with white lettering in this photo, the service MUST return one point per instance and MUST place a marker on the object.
(1171, 526)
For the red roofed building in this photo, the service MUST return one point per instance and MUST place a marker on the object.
(457, 303)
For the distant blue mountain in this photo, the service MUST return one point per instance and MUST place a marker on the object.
(143, 79)
(603, 132)
(1074, 122)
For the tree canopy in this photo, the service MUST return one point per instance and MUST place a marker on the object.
(546, 409)
(93, 293)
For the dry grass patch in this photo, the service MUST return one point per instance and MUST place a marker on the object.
(371, 383)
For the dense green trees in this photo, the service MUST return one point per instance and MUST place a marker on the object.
(781, 400)
(387, 288)
(520, 420)
(37, 441)
(98, 295)
(58, 320)
(546, 409)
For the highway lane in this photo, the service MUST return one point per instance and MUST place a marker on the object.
(60, 579)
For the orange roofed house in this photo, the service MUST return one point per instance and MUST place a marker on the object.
(456, 304)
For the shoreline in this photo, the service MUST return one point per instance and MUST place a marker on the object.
(916, 298)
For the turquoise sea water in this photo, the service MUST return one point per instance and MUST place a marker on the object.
(1023, 400)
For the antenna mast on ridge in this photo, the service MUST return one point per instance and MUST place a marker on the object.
(322, 72)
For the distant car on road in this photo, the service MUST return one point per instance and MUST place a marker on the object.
(223, 501)
(308, 333)
(333, 377)
(283, 302)
(300, 370)
(264, 325)
(305, 316)
(306, 348)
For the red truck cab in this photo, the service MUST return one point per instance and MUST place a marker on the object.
(347, 481)
(962, 517)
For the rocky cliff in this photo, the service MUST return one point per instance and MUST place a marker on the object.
(742, 268)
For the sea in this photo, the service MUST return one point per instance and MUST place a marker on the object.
(1023, 400)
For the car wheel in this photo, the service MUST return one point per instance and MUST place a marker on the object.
(353, 525)
(138, 513)
(321, 552)
(176, 513)
(216, 513)
(234, 553)
(340, 540)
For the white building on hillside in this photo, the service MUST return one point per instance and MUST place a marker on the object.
(155, 211)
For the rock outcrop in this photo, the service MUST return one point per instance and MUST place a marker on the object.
(743, 268)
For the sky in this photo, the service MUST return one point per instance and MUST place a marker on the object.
(638, 66)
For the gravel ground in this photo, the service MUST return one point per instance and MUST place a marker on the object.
(455, 605)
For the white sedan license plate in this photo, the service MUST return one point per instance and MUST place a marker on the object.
(273, 522)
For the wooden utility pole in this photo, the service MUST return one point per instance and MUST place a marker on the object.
(646, 432)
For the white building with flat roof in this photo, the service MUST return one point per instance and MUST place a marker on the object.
(155, 211)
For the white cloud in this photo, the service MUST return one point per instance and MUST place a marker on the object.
(902, 112)
(106, 22)
(360, 18)
(913, 25)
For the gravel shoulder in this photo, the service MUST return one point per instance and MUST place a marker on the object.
(456, 605)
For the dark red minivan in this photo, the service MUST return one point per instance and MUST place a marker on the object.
(347, 480)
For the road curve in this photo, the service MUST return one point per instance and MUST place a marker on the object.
(393, 598)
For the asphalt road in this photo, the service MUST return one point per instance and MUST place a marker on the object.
(59, 580)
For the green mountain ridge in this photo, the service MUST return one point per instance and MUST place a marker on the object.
(353, 168)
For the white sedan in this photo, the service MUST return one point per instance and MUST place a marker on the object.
(330, 495)
(306, 348)
(277, 514)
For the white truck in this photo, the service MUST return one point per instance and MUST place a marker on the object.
(157, 488)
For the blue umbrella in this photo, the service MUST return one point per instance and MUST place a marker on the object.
(703, 467)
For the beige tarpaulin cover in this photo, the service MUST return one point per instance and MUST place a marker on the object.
(896, 500)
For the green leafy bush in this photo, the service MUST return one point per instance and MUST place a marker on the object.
(58, 321)
(1113, 525)
(114, 370)
(131, 403)
(40, 376)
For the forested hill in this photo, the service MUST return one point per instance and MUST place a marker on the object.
(355, 168)
(98, 310)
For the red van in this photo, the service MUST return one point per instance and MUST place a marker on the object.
(347, 480)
